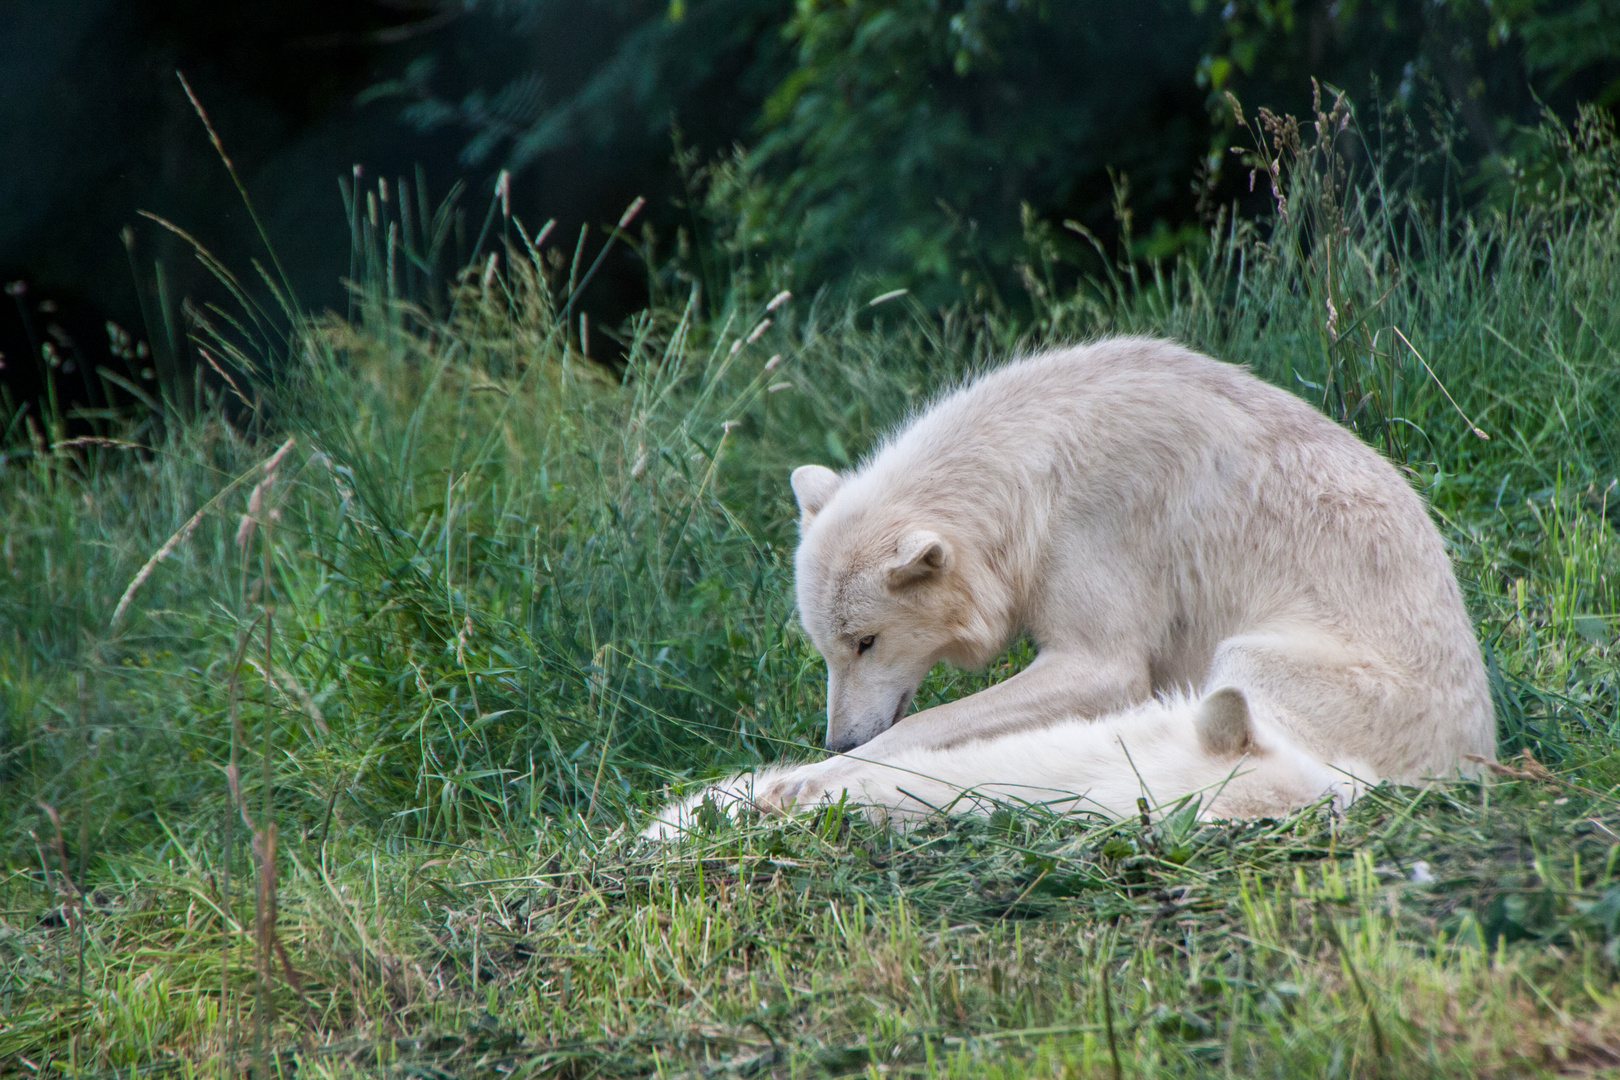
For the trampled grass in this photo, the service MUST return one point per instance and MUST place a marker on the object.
(347, 785)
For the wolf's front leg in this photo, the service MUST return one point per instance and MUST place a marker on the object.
(1057, 686)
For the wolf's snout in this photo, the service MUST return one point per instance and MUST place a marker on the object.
(843, 740)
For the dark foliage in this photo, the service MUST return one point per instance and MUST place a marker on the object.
(904, 139)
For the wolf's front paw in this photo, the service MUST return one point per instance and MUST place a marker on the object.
(688, 815)
(805, 787)
(783, 791)
(771, 791)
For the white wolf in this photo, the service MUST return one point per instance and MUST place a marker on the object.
(1155, 521)
(1214, 750)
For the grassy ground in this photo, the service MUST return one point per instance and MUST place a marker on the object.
(322, 727)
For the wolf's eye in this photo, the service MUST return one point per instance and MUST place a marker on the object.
(864, 644)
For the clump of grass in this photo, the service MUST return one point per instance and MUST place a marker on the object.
(350, 762)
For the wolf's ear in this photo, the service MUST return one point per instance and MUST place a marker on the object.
(920, 554)
(814, 486)
(1224, 728)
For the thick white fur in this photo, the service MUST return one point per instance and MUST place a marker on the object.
(1236, 765)
(1155, 521)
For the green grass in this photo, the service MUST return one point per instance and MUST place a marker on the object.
(491, 603)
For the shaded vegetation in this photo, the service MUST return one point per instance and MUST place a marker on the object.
(912, 141)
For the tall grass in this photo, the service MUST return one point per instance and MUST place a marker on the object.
(446, 602)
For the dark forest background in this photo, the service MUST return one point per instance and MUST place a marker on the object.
(935, 145)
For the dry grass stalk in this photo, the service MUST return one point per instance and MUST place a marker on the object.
(185, 530)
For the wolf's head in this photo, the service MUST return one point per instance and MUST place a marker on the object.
(883, 598)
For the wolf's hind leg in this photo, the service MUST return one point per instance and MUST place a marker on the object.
(1334, 698)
